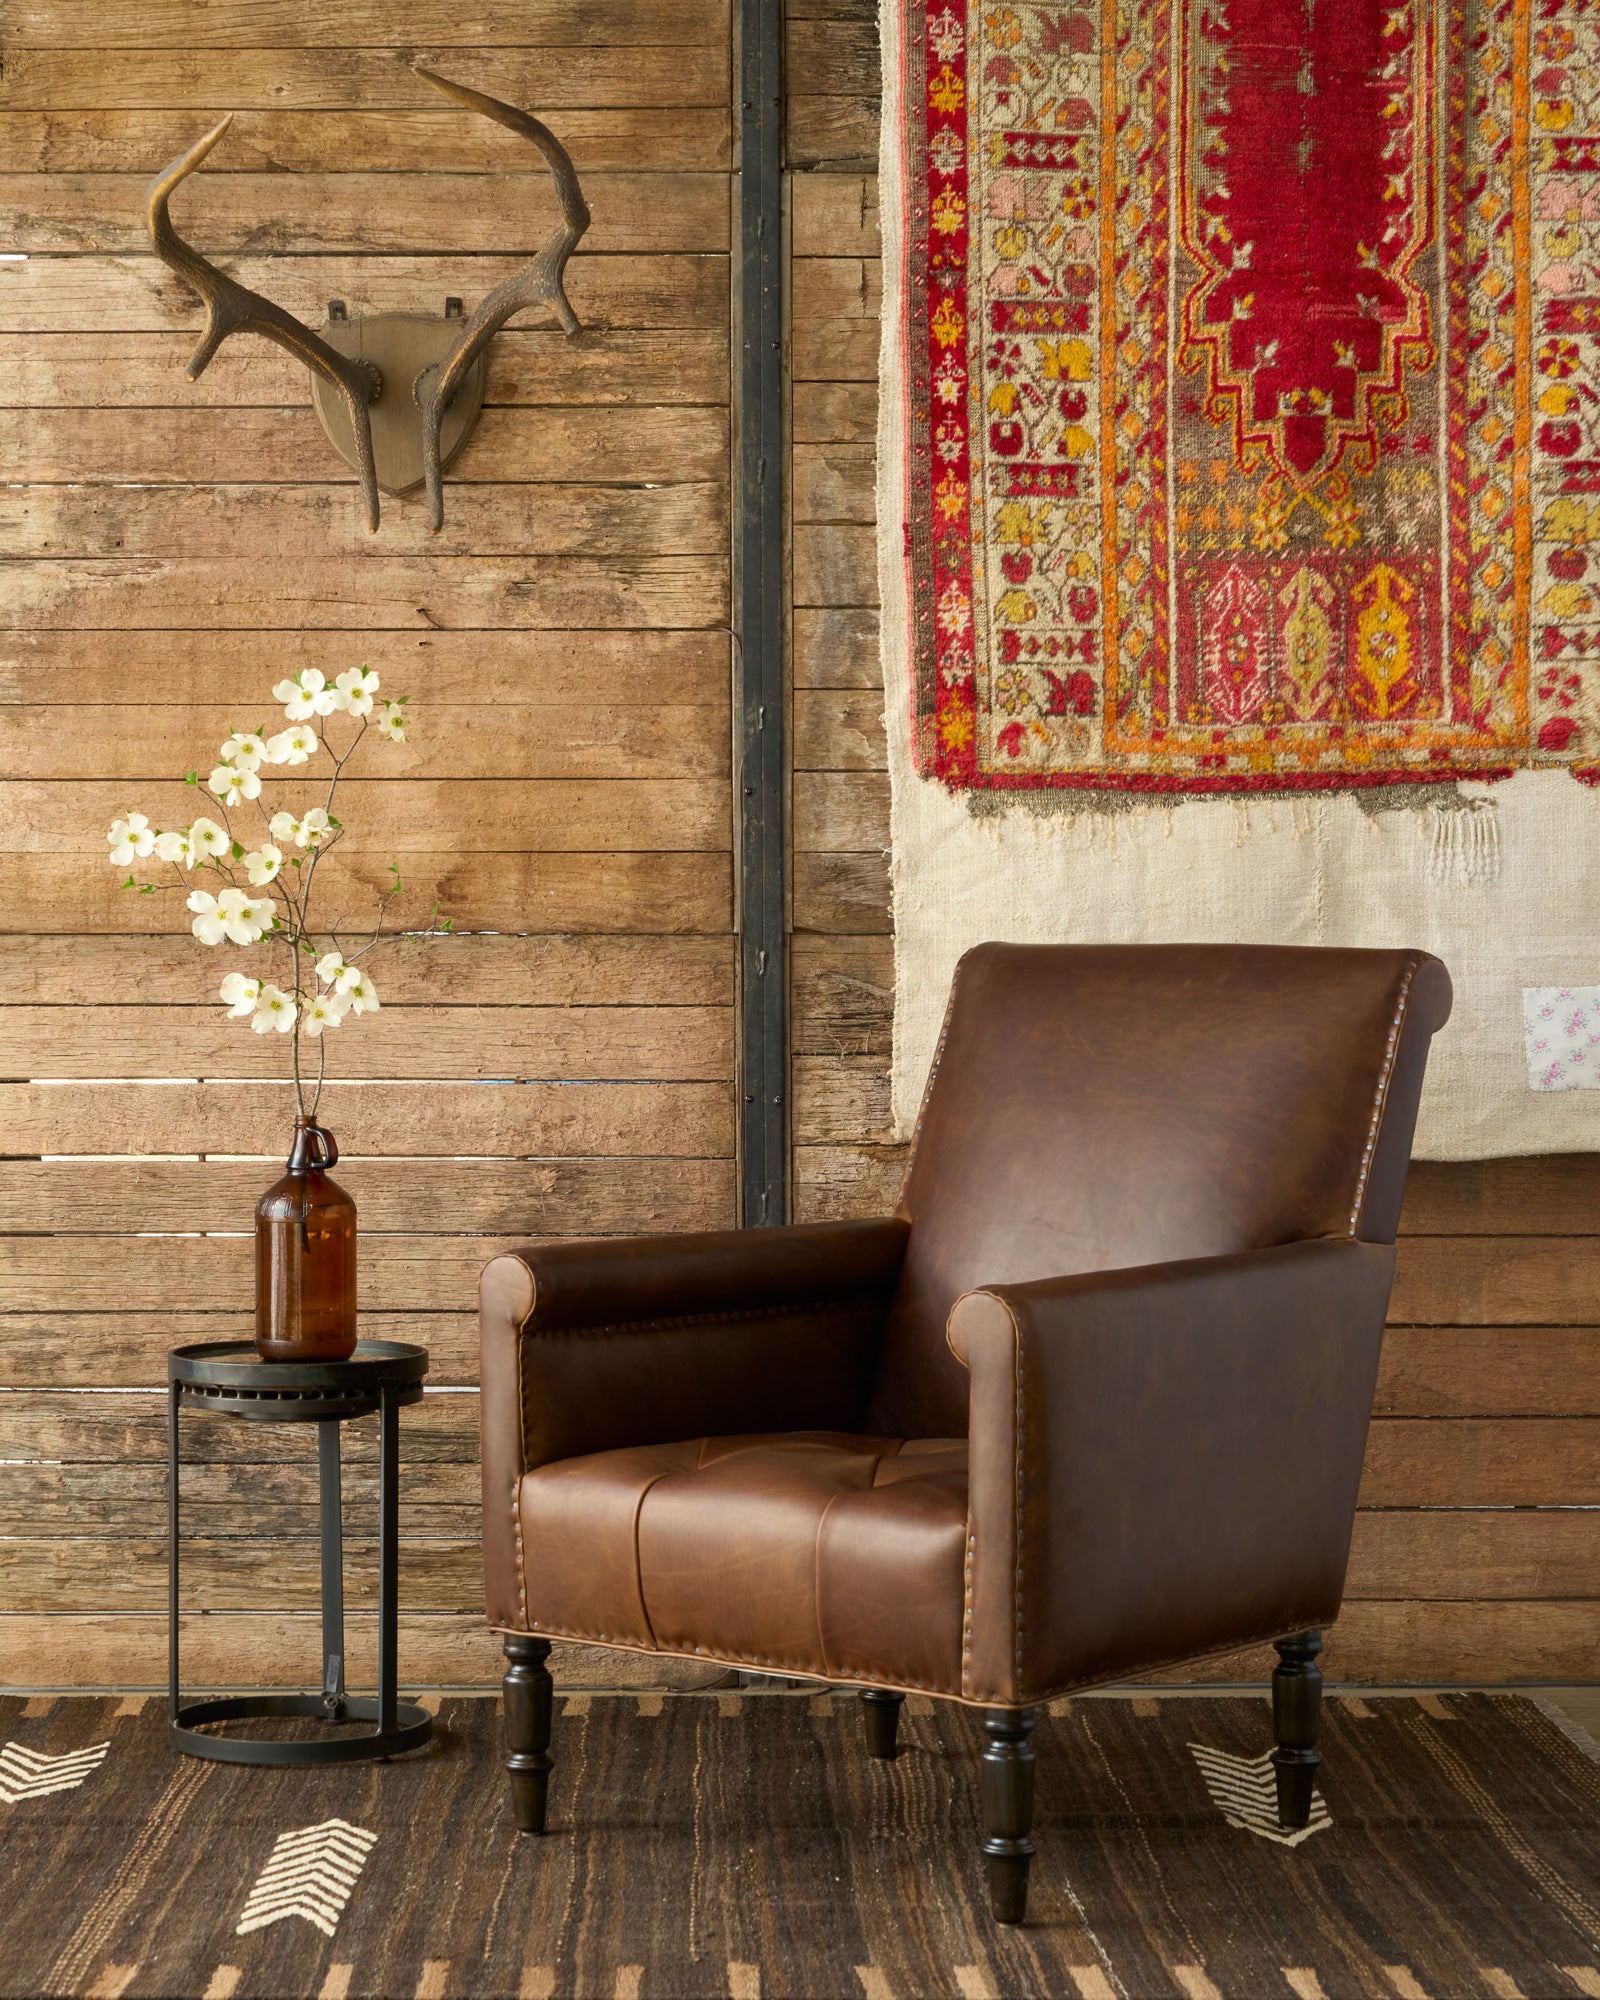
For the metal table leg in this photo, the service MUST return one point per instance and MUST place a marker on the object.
(174, 1396)
(388, 1556)
(331, 1511)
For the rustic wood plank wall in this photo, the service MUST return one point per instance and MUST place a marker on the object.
(563, 1067)
(1477, 1552)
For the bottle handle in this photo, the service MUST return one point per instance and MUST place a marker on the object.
(321, 1147)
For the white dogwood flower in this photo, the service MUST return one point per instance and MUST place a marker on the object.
(131, 839)
(333, 971)
(240, 995)
(208, 925)
(323, 1010)
(244, 748)
(282, 826)
(392, 722)
(262, 864)
(363, 996)
(233, 784)
(292, 745)
(274, 1012)
(309, 694)
(314, 829)
(358, 687)
(209, 840)
(233, 914)
(175, 847)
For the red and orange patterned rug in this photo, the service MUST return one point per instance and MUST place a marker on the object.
(1248, 413)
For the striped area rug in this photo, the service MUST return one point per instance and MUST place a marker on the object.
(743, 1846)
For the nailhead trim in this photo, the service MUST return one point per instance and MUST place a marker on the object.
(809, 1669)
(966, 1604)
(516, 1529)
(1381, 1097)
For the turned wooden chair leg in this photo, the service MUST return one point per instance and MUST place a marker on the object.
(881, 1712)
(1296, 1712)
(1008, 1809)
(528, 1707)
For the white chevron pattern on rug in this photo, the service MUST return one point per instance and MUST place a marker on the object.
(29, 1774)
(311, 1874)
(1245, 1791)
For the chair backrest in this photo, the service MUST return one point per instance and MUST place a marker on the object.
(1096, 1108)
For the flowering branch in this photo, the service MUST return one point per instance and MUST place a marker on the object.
(337, 986)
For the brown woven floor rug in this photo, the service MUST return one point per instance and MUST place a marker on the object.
(743, 1846)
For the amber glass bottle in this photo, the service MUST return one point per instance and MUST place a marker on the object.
(306, 1257)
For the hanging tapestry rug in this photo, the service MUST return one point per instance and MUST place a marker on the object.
(1240, 454)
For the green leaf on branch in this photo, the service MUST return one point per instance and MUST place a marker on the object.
(238, 850)
(191, 777)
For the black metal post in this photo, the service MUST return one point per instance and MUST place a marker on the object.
(758, 594)
(331, 1519)
(388, 1554)
(174, 1396)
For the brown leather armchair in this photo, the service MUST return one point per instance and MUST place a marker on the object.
(1091, 1402)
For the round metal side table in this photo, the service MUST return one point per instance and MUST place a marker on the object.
(230, 1378)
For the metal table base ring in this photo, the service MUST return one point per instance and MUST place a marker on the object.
(227, 1377)
(412, 1728)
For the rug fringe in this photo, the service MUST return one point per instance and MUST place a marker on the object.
(1463, 838)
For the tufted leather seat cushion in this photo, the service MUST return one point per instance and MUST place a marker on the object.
(814, 1552)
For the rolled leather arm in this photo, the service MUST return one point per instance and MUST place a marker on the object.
(591, 1346)
(1164, 1462)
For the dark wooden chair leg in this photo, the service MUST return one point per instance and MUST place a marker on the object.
(1296, 1712)
(1008, 1809)
(881, 1711)
(529, 1703)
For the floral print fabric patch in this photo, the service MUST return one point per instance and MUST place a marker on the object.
(1561, 1027)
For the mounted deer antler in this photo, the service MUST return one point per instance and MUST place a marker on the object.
(538, 283)
(234, 308)
(396, 444)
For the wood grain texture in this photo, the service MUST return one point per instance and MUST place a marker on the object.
(310, 522)
(364, 213)
(119, 140)
(836, 647)
(367, 24)
(537, 365)
(570, 1043)
(257, 446)
(399, 1120)
(524, 667)
(139, 295)
(464, 971)
(527, 891)
(200, 79)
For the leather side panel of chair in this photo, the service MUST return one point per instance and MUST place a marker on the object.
(1164, 1463)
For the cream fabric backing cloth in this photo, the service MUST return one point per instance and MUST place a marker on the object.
(1317, 871)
